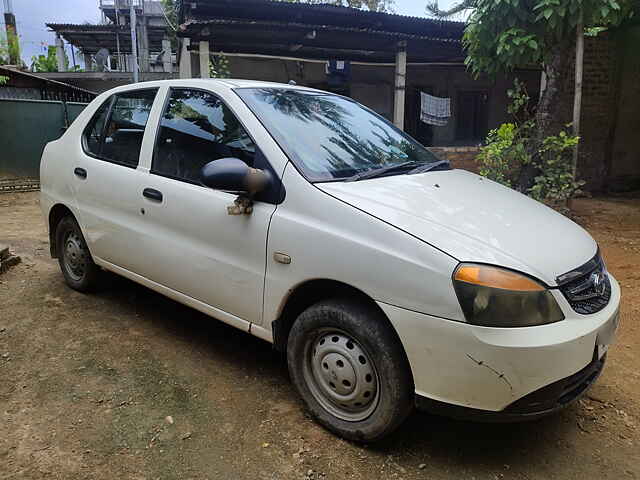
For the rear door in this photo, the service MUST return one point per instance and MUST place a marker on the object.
(107, 177)
(192, 244)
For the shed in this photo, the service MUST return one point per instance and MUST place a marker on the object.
(27, 86)
(382, 60)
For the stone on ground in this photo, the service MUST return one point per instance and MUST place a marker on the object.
(7, 259)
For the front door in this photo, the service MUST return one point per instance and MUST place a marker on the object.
(192, 244)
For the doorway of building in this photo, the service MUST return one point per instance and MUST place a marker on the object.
(472, 116)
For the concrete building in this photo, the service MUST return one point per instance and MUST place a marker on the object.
(107, 48)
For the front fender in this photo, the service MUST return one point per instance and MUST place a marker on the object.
(329, 239)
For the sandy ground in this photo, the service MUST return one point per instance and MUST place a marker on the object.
(127, 384)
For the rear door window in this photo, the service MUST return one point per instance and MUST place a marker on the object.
(116, 131)
(125, 130)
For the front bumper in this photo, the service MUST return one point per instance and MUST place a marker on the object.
(518, 372)
(545, 401)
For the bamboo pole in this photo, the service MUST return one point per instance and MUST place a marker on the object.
(577, 98)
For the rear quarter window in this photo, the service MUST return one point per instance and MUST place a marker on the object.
(117, 128)
(92, 137)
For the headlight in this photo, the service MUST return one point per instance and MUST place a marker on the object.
(496, 297)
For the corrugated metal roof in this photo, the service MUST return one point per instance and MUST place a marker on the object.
(342, 10)
(277, 25)
(90, 37)
(10, 71)
(329, 7)
(75, 27)
(319, 14)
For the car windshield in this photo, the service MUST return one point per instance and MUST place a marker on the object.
(331, 138)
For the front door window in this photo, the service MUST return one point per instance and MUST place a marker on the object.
(197, 128)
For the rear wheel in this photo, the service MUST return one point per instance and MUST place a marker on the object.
(350, 369)
(78, 268)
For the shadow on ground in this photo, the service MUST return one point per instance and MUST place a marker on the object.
(442, 440)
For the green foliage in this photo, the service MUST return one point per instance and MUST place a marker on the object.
(520, 101)
(555, 184)
(47, 63)
(9, 48)
(4, 59)
(433, 9)
(504, 151)
(219, 67)
(170, 9)
(509, 148)
(373, 5)
(505, 34)
(594, 31)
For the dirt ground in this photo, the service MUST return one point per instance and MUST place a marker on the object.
(127, 384)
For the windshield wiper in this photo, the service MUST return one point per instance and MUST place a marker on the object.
(378, 172)
(429, 167)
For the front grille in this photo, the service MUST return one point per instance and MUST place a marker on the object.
(587, 288)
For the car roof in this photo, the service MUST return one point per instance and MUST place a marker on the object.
(230, 83)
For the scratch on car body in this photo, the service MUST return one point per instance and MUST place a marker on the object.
(500, 375)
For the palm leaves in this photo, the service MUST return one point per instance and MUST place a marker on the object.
(458, 9)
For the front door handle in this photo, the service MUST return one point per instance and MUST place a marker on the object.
(152, 194)
(80, 172)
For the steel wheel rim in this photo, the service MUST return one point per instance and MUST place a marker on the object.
(341, 375)
(75, 256)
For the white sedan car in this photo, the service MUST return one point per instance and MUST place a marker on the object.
(305, 219)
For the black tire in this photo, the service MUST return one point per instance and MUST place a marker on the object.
(76, 263)
(316, 355)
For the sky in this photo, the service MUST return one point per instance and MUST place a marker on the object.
(31, 16)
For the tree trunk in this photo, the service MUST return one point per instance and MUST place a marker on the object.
(554, 107)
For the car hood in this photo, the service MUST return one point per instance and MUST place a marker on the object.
(473, 220)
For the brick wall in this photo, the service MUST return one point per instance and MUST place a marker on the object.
(608, 159)
(459, 157)
(598, 112)
(624, 151)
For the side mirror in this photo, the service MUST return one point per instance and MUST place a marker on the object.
(234, 175)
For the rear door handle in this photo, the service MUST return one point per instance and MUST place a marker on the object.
(152, 194)
(80, 172)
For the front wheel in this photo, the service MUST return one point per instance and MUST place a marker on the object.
(349, 367)
(74, 257)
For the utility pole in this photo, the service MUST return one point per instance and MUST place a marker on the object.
(117, 7)
(134, 42)
(12, 33)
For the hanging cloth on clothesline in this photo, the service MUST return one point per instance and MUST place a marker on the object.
(435, 110)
